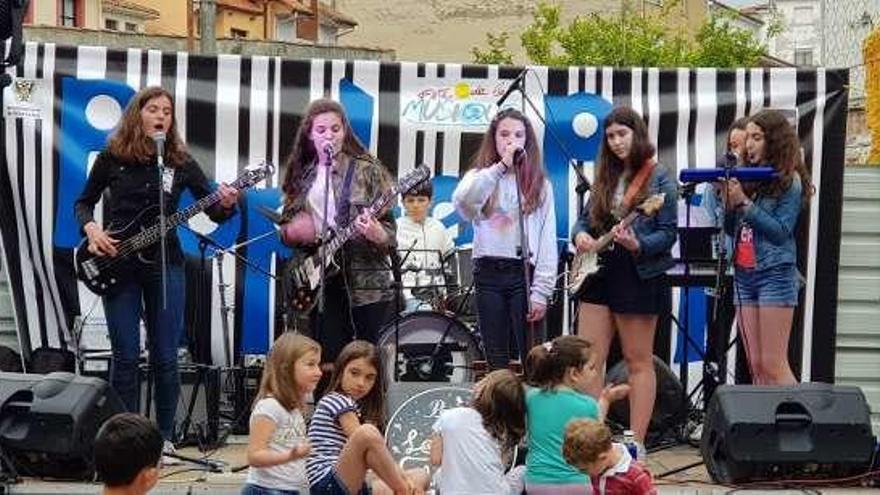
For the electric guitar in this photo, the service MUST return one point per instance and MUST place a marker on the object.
(103, 274)
(305, 271)
(587, 263)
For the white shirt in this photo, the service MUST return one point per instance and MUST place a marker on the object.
(290, 431)
(316, 200)
(423, 244)
(498, 234)
(471, 462)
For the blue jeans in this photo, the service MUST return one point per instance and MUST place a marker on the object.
(142, 297)
(249, 489)
(501, 309)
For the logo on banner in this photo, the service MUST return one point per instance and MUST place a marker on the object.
(466, 103)
(28, 100)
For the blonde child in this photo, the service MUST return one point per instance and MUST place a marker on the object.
(469, 442)
(346, 441)
(611, 468)
(560, 372)
(278, 445)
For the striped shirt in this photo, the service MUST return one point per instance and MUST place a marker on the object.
(326, 434)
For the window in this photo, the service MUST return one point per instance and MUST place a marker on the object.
(68, 13)
(131, 27)
(285, 28)
(803, 56)
(238, 34)
(111, 24)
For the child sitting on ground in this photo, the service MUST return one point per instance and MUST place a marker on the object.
(611, 468)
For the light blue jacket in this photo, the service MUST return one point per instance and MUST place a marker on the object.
(774, 221)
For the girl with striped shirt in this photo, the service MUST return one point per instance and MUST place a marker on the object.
(344, 432)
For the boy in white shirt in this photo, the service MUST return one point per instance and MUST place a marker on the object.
(422, 240)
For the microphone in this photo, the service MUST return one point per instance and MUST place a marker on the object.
(328, 148)
(513, 86)
(159, 140)
(728, 160)
(518, 155)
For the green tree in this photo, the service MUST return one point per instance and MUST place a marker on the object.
(496, 53)
(627, 39)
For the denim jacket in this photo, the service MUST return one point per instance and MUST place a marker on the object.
(656, 234)
(773, 220)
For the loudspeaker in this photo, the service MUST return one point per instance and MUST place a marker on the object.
(667, 406)
(810, 430)
(48, 422)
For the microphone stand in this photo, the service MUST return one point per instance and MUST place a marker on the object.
(325, 227)
(524, 251)
(160, 162)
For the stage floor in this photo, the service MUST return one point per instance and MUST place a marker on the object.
(189, 479)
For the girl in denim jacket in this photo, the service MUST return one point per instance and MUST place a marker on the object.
(630, 289)
(763, 218)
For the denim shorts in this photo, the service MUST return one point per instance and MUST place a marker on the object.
(774, 286)
(251, 489)
(330, 484)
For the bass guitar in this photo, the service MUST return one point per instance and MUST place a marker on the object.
(305, 271)
(104, 274)
(587, 263)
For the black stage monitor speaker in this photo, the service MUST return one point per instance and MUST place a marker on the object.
(810, 430)
(48, 422)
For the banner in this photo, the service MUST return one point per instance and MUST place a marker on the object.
(233, 111)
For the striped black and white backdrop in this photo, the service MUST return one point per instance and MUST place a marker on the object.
(235, 110)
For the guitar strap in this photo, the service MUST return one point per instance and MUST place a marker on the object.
(636, 185)
(343, 203)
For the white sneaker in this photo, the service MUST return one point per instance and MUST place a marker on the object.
(168, 448)
(641, 453)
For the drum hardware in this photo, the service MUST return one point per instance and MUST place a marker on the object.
(429, 346)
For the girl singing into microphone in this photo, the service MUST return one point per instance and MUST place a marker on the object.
(764, 217)
(358, 297)
(487, 195)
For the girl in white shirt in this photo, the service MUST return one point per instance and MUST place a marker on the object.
(487, 195)
(470, 443)
(278, 445)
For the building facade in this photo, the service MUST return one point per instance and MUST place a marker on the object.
(65, 13)
(447, 30)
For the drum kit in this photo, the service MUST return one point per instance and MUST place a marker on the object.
(435, 337)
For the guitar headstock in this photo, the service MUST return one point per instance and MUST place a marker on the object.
(652, 204)
(413, 178)
(253, 174)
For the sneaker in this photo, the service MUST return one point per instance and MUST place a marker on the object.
(183, 356)
(168, 448)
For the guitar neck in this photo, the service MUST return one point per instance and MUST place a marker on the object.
(347, 232)
(152, 234)
(607, 237)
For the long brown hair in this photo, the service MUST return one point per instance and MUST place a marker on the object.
(303, 152)
(279, 380)
(501, 401)
(131, 143)
(532, 173)
(782, 149)
(373, 404)
(610, 167)
(547, 363)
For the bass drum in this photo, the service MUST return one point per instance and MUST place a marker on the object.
(425, 346)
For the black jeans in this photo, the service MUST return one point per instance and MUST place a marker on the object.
(343, 323)
(501, 306)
